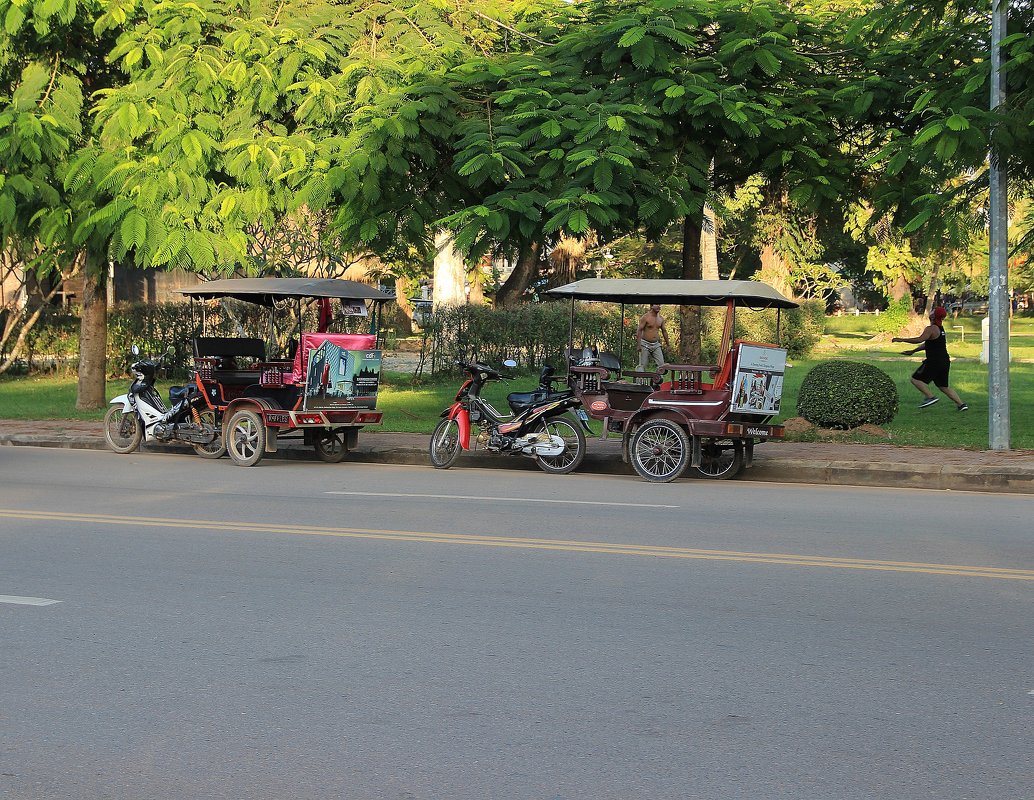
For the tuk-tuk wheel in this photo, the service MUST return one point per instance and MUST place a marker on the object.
(331, 446)
(246, 437)
(720, 459)
(659, 450)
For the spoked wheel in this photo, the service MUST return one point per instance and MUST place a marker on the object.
(215, 448)
(445, 444)
(331, 446)
(571, 458)
(660, 451)
(246, 438)
(122, 430)
(720, 459)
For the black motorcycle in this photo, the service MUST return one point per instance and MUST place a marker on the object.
(538, 426)
(141, 415)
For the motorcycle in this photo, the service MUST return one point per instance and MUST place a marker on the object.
(537, 427)
(141, 415)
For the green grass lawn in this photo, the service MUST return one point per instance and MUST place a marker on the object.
(415, 408)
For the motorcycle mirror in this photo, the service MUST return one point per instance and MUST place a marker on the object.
(135, 349)
(509, 363)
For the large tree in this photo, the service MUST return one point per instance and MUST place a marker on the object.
(614, 123)
(53, 65)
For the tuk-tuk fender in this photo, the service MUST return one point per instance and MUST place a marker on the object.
(259, 404)
(641, 417)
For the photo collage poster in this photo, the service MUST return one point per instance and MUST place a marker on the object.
(758, 384)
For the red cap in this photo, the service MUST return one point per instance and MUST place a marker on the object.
(939, 313)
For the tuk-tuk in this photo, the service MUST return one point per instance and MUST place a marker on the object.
(322, 389)
(707, 417)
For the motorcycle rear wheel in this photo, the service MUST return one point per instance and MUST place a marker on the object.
(122, 431)
(445, 444)
(571, 458)
(215, 448)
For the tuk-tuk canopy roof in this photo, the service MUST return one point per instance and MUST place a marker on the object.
(264, 291)
(752, 294)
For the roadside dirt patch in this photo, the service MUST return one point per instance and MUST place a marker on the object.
(873, 430)
(798, 425)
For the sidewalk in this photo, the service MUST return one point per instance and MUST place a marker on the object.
(786, 462)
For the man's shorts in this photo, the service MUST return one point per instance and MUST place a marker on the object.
(933, 372)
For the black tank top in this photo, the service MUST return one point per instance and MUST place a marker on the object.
(937, 348)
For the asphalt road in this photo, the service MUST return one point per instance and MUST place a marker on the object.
(301, 630)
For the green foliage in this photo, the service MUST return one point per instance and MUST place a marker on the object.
(846, 394)
(799, 329)
(896, 317)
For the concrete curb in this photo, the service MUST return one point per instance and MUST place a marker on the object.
(1015, 476)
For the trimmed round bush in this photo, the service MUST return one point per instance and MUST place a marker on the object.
(846, 394)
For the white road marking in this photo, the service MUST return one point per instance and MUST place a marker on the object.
(504, 499)
(26, 601)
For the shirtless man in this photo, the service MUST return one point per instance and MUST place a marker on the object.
(651, 326)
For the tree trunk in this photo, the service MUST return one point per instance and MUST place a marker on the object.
(901, 289)
(402, 301)
(527, 265)
(93, 336)
(774, 270)
(931, 294)
(476, 281)
(689, 316)
(450, 273)
(709, 245)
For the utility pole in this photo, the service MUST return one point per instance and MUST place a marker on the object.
(998, 299)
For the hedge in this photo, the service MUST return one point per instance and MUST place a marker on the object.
(531, 333)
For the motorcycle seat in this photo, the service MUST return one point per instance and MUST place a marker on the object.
(519, 401)
(177, 393)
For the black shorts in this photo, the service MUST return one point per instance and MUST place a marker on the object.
(935, 372)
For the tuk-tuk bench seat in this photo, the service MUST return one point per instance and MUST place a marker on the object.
(236, 377)
(229, 347)
(687, 378)
(624, 396)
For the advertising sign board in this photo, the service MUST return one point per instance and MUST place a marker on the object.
(757, 387)
(341, 379)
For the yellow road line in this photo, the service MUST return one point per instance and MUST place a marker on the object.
(528, 543)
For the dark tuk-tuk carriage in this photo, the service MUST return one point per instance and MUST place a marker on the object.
(323, 389)
(707, 417)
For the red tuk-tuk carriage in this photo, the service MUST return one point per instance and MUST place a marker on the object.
(324, 389)
(707, 417)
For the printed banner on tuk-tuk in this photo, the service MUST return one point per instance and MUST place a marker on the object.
(757, 387)
(341, 379)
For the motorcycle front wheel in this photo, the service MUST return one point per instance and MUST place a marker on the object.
(122, 431)
(217, 447)
(445, 444)
(571, 458)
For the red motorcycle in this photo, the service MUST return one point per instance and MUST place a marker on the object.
(538, 426)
